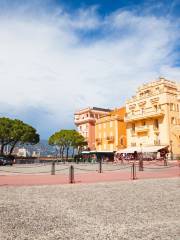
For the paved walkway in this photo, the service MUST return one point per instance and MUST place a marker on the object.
(90, 177)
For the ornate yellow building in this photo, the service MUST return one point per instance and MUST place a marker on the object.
(153, 117)
(110, 131)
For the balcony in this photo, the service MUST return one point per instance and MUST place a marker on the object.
(156, 129)
(133, 133)
(140, 129)
(110, 139)
(145, 96)
(84, 120)
(144, 115)
(157, 142)
(98, 141)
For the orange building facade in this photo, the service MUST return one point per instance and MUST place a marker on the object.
(85, 120)
(110, 131)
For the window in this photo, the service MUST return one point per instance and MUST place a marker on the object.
(156, 124)
(171, 106)
(173, 120)
(133, 127)
(121, 141)
(143, 123)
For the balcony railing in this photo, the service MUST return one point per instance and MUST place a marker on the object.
(110, 139)
(83, 120)
(144, 128)
(98, 141)
(156, 142)
(144, 96)
(133, 117)
(133, 133)
(156, 129)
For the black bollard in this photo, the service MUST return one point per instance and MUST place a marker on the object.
(53, 168)
(165, 162)
(141, 166)
(133, 172)
(71, 174)
(100, 165)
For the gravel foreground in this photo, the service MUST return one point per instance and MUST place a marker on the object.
(143, 209)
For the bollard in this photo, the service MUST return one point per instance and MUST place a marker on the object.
(141, 167)
(71, 174)
(133, 171)
(100, 166)
(165, 162)
(53, 168)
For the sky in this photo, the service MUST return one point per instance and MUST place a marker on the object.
(58, 56)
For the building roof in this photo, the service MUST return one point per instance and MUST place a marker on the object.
(101, 109)
(93, 109)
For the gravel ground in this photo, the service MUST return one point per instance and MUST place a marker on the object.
(143, 209)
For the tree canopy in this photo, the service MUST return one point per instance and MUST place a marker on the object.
(14, 131)
(66, 139)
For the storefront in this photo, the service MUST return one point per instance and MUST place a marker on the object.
(147, 153)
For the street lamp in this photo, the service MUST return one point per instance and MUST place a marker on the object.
(141, 148)
(171, 149)
(141, 160)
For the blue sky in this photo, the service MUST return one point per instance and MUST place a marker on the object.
(159, 7)
(59, 56)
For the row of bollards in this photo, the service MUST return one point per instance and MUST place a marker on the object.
(141, 164)
(71, 171)
(133, 170)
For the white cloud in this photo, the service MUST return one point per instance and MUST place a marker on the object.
(47, 66)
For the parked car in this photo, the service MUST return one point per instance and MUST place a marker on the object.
(6, 160)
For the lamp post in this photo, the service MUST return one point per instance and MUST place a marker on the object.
(141, 149)
(171, 149)
(141, 160)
